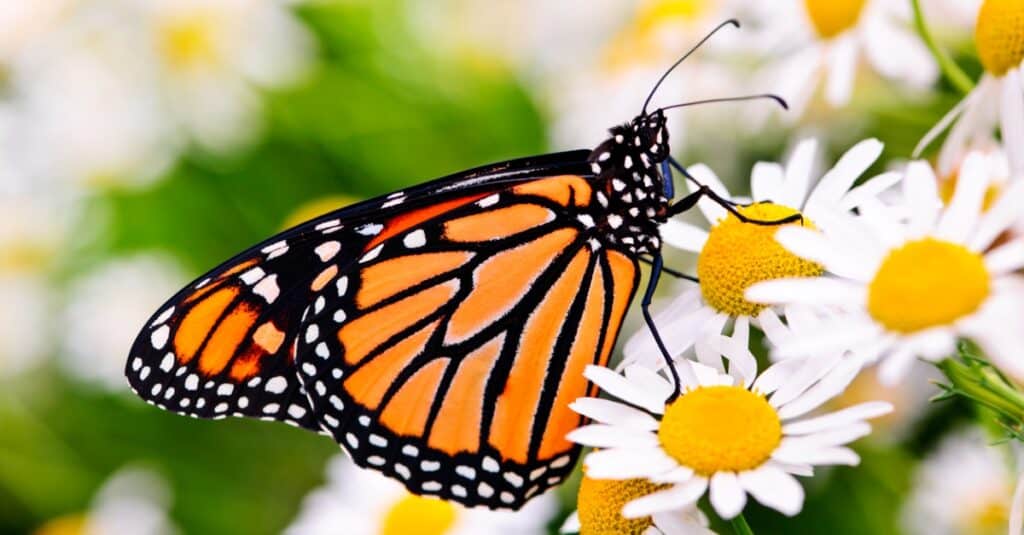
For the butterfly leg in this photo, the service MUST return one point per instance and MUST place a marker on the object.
(703, 190)
(670, 271)
(645, 309)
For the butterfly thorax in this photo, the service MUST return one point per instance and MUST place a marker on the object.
(629, 187)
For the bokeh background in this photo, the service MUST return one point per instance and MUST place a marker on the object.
(144, 141)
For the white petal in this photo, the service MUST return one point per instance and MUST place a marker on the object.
(711, 210)
(620, 387)
(609, 436)
(840, 257)
(649, 380)
(975, 119)
(683, 235)
(798, 174)
(942, 125)
(774, 330)
(870, 189)
(742, 363)
(826, 439)
(1012, 120)
(839, 418)
(896, 365)
(921, 193)
(964, 209)
(827, 388)
(571, 524)
(1017, 507)
(626, 463)
(812, 370)
(727, 495)
(841, 177)
(845, 332)
(677, 497)
(766, 181)
(611, 412)
(1006, 258)
(817, 456)
(777, 375)
(1000, 216)
(774, 488)
(842, 65)
(679, 474)
(811, 291)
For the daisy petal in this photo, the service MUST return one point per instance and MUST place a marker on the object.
(611, 412)
(770, 323)
(817, 456)
(811, 291)
(836, 419)
(774, 488)
(943, 124)
(1006, 258)
(841, 177)
(798, 174)
(609, 436)
(827, 439)
(921, 192)
(1012, 120)
(620, 387)
(766, 181)
(964, 209)
(683, 235)
(869, 190)
(711, 210)
(626, 463)
(971, 122)
(678, 474)
(842, 65)
(727, 495)
(677, 497)
(777, 375)
(827, 388)
(1001, 216)
(571, 524)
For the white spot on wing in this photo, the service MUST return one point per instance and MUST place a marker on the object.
(371, 254)
(370, 229)
(490, 200)
(159, 337)
(276, 385)
(327, 250)
(414, 239)
(267, 288)
(163, 316)
(253, 275)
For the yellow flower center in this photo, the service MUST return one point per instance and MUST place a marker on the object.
(989, 517)
(64, 525)
(654, 14)
(188, 42)
(419, 514)
(600, 503)
(833, 17)
(926, 283)
(720, 428)
(737, 255)
(999, 35)
(639, 42)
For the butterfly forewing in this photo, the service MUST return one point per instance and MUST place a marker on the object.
(447, 354)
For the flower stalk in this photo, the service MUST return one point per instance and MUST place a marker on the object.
(950, 69)
(976, 379)
(740, 525)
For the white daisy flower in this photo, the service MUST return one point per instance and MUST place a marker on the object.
(998, 99)
(909, 289)
(722, 436)
(105, 310)
(367, 503)
(831, 38)
(600, 503)
(962, 488)
(213, 55)
(733, 255)
(133, 501)
(26, 309)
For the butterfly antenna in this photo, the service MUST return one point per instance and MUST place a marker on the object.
(732, 22)
(776, 98)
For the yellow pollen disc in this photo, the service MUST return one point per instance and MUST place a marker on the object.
(989, 517)
(188, 41)
(720, 428)
(600, 503)
(927, 283)
(420, 515)
(999, 35)
(737, 255)
(833, 17)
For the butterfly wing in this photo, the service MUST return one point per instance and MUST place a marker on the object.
(446, 356)
(226, 344)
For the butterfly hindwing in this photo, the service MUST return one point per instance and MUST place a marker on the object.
(446, 356)
(225, 345)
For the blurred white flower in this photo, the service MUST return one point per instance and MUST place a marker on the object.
(997, 100)
(829, 38)
(26, 306)
(962, 488)
(22, 22)
(133, 501)
(107, 307)
(367, 503)
(214, 54)
(908, 289)
(951, 15)
(732, 255)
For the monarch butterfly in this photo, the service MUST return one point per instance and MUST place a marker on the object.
(438, 333)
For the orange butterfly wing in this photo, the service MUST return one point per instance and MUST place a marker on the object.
(448, 354)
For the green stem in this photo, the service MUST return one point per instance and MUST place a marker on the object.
(950, 69)
(740, 526)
